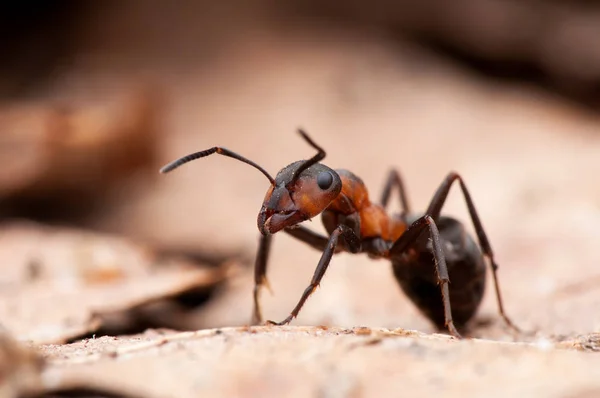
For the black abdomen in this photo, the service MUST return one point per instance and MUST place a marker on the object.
(466, 268)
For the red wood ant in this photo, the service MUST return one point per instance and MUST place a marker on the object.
(425, 250)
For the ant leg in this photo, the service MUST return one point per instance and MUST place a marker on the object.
(260, 278)
(405, 242)
(315, 240)
(309, 237)
(434, 210)
(394, 180)
(352, 241)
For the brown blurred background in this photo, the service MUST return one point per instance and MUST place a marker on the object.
(96, 96)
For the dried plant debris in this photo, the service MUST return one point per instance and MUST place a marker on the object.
(57, 284)
(59, 154)
(320, 361)
(20, 368)
(588, 342)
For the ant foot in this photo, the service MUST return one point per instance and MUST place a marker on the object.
(512, 326)
(453, 331)
(282, 323)
(256, 318)
(517, 331)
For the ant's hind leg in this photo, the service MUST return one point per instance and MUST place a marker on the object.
(406, 241)
(434, 211)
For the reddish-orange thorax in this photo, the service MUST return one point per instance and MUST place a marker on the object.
(374, 221)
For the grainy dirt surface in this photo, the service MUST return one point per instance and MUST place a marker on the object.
(530, 160)
(322, 362)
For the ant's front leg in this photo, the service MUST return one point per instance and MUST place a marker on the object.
(303, 234)
(354, 245)
(408, 239)
(260, 275)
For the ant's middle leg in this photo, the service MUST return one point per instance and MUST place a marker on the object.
(434, 210)
(313, 239)
(394, 180)
(352, 242)
(407, 240)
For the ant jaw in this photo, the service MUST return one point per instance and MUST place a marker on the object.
(262, 222)
(278, 211)
(271, 221)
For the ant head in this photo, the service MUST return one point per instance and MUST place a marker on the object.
(300, 191)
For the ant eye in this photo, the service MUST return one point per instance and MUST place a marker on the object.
(324, 180)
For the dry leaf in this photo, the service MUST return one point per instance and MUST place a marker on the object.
(56, 283)
(55, 151)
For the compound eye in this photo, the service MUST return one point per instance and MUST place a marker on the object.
(324, 180)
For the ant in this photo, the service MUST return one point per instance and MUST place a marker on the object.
(425, 250)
